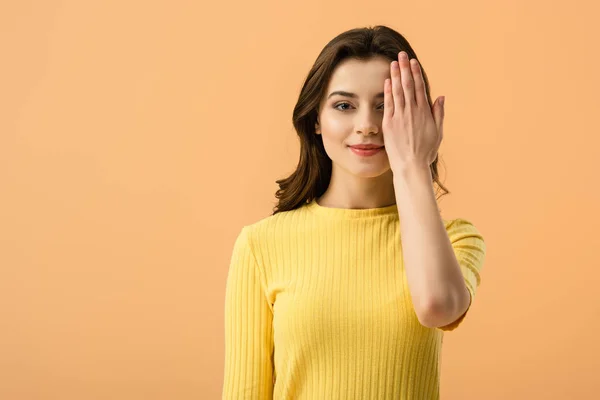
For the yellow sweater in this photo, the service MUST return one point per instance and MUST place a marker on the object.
(317, 306)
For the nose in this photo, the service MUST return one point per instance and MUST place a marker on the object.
(368, 123)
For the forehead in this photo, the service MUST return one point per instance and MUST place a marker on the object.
(356, 75)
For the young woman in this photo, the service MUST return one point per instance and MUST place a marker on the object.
(346, 290)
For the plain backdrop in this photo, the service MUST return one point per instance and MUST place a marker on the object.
(137, 138)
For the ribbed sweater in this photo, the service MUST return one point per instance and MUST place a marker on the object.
(317, 306)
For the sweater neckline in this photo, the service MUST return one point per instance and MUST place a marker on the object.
(351, 213)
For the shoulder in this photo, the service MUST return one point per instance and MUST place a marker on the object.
(275, 226)
(266, 237)
(464, 230)
(460, 225)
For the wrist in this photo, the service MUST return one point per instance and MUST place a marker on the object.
(412, 171)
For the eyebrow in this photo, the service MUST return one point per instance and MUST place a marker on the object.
(349, 94)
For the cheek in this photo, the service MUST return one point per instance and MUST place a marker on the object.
(336, 129)
(337, 126)
(335, 140)
(335, 146)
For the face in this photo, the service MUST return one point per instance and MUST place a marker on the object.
(346, 120)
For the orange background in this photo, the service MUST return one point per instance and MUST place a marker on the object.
(136, 138)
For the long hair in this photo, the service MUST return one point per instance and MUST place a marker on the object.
(313, 173)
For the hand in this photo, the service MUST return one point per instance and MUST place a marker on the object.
(412, 132)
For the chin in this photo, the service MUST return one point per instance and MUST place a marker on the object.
(369, 172)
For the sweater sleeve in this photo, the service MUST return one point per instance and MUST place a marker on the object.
(469, 248)
(248, 327)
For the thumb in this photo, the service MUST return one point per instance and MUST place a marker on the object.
(438, 116)
(438, 113)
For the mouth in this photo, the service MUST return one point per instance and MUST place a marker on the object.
(365, 152)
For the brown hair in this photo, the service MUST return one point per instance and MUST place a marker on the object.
(313, 173)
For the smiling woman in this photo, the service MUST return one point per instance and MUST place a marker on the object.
(345, 81)
(346, 290)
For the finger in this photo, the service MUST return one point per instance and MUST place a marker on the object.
(417, 73)
(408, 84)
(438, 116)
(397, 91)
(388, 100)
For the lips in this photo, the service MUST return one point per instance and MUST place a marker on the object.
(366, 146)
(366, 152)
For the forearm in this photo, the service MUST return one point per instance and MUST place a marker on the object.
(434, 277)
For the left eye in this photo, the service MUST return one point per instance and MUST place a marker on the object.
(348, 104)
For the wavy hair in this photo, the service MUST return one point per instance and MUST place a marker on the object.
(313, 173)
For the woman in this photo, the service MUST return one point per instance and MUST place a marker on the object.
(346, 290)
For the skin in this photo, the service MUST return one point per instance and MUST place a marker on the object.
(412, 132)
(356, 182)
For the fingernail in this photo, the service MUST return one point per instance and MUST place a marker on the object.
(442, 100)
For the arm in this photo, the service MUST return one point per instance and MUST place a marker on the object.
(437, 286)
(248, 328)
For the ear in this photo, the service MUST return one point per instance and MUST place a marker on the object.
(317, 128)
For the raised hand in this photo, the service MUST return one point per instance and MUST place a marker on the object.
(412, 131)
